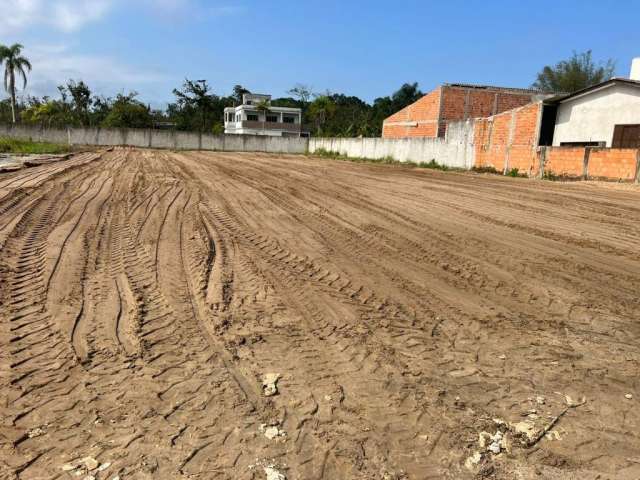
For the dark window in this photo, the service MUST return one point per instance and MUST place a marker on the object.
(272, 118)
(626, 136)
(252, 117)
(289, 119)
(248, 102)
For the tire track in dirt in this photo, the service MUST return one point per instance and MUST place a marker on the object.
(145, 293)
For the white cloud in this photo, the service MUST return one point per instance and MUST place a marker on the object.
(55, 64)
(64, 15)
(71, 15)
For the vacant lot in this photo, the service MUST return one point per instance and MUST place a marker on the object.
(145, 294)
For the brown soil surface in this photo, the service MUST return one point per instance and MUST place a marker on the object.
(145, 294)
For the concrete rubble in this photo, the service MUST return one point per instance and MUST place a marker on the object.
(269, 384)
(273, 474)
(272, 431)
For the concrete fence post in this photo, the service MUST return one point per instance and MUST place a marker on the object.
(585, 163)
(507, 155)
(637, 176)
(543, 159)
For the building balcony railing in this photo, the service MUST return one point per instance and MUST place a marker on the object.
(288, 127)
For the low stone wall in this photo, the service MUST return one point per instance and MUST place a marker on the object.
(171, 139)
(455, 150)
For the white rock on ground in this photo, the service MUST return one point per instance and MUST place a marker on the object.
(472, 462)
(90, 462)
(271, 431)
(269, 384)
(273, 474)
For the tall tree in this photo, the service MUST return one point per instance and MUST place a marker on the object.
(196, 93)
(14, 63)
(573, 74)
(302, 92)
(406, 95)
(264, 107)
(80, 100)
(238, 92)
(128, 112)
(321, 110)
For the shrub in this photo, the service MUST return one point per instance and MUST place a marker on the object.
(485, 169)
(12, 145)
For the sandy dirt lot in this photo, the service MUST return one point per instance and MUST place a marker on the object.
(147, 294)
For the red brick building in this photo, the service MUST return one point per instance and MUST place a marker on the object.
(429, 116)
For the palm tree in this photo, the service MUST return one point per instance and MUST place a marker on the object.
(265, 107)
(14, 63)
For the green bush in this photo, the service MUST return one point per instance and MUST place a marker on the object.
(388, 160)
(485, 170)
(12, 145)
(433, 165)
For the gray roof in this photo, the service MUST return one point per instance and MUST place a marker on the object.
(532, 91)
(565, 96)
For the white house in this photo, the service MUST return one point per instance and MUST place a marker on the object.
(256, 116)
(607, 114)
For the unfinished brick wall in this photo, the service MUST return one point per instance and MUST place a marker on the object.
(613, 163)
(605, 163)
(460, 103)
(420, 119)
(429, 116)
(564, 161)
(509, 140)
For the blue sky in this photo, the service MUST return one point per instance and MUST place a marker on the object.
(362, 48)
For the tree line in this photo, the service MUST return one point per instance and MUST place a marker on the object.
(196, 107)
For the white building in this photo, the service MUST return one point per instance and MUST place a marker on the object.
(256, 116)
(606, 115)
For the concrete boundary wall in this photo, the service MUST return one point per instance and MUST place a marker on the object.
(175, 140)
(504, 141)
(455, 150)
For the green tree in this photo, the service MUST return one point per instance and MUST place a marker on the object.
(128, 112)
(301, 92)
(321, 110)
(101, 107)
(264, 107)
(238, 91)
(52, 113)
(80, 95)
(573, 74)
(407, 94)
(14, 64)
(196, 94)
(383, 107)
